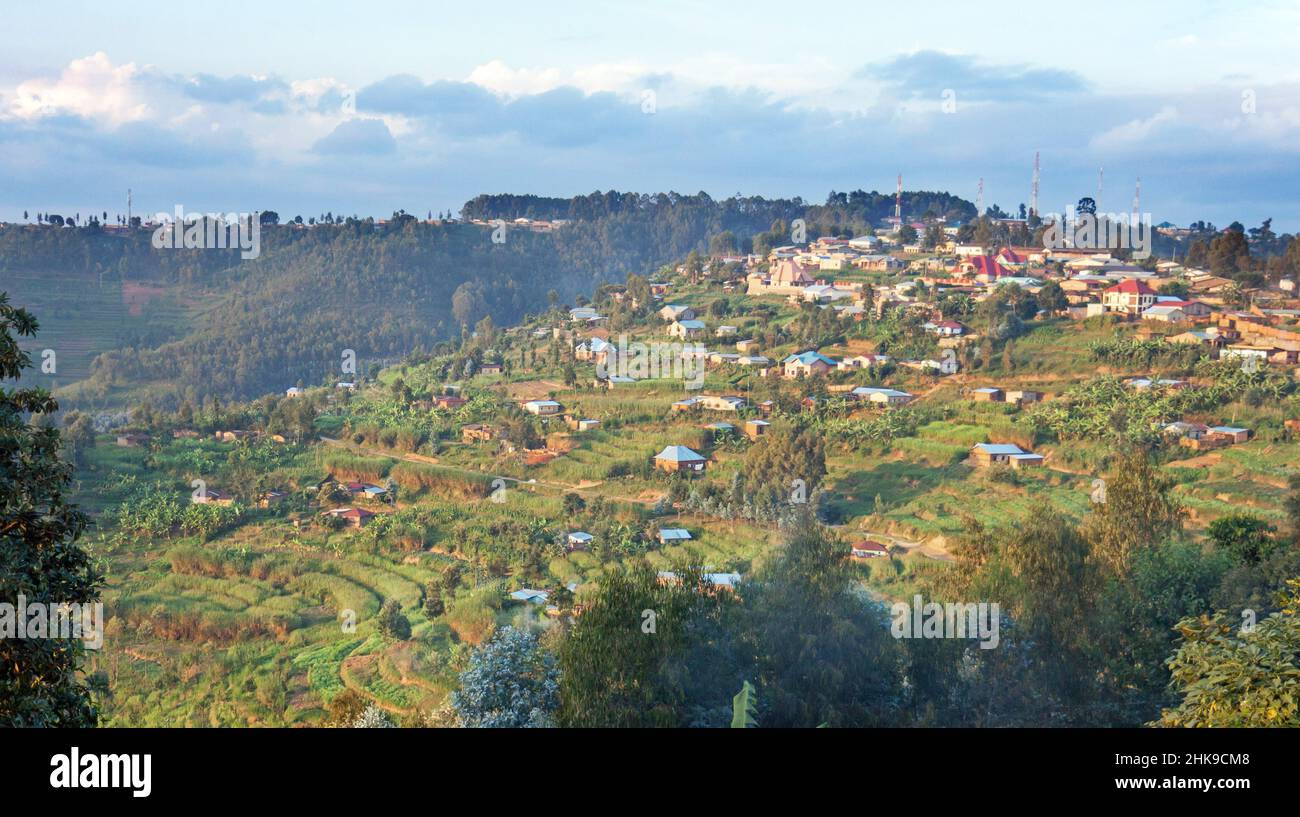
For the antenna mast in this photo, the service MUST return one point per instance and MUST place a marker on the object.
(979, 199)
(1033, 194)
(898, 204)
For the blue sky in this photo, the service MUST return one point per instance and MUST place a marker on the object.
(306, 108)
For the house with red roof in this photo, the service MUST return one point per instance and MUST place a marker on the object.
(1129, 296)
(867, 550)
(984, 268)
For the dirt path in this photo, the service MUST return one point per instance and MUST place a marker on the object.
(926, 549)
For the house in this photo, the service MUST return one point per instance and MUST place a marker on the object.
(730, 403)
(725, 331)
(862, 362)
(986, 454)
(945, 329)
(1182, 428)
(672, 313)
(449, 401)
(1023, 396)
(756, 428)
(1168, 314)
(806, 364)
(354, 517)
(1130, 296)
(585, 424)
(578, 540)
(882, 396)
(946, 365)
(293, 391)
(476, 432)
(543, 408)
(686, 329)
(867, 549)
(721, 429)
(596, 350)
(490, 368)
(211, 496)
(678, 458)
(530, 596)
(988, 394)
(746, 346)
(132, 440)
(585, 314)
(234, 435)
(753, 360)
(671, 535)
(1230, 434)
(687, 404)
(1025, 460)
(271, 498)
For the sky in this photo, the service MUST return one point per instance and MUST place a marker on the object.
(356, 109)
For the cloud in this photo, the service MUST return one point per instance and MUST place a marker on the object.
(90, 87)
(358, 137)
(78, 138)
(1135, 131)
(928, 73)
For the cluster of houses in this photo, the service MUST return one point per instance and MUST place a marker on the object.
(1199, 436)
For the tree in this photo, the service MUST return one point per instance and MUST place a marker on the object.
(1246, 537)
(40, 557)
(1138, 512)
(511, 682)
(1052, 298)
(1230, 675)
(392, 624)
(648, 653)
(817, 650)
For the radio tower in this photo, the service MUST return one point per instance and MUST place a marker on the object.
(1137, 200)
(898, 204)
(128, 207)
(1101, 173)
(1033, 193)
(979, 199)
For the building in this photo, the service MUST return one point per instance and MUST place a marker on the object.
(867, 549)
(756, 428)
(882, 396)
(687, 329)
(476, 432)
(543, 408)
(678, 459)
(1167, 314)
(449, 401)
(667, 536)
(673, 313)
(578, 540)
(1131, 297)
(806, 364)
(986, 454)
(988, 394)
(353, 517)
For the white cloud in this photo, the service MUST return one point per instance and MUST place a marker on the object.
(1135, 131)
(91, 87)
